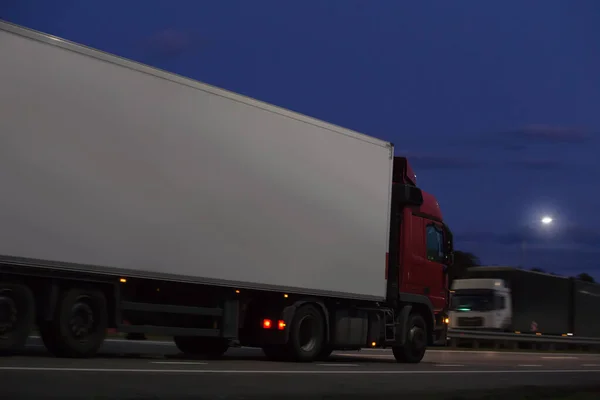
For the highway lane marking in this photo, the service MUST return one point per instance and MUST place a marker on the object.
(152, 342)
(337, 365)
(179, 362)
(296, 372)
(364, 355)
(369, 350)
(560, 358)
(449, 365)
(590, 365)
(529, 365)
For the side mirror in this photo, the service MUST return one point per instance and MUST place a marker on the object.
(408, 194)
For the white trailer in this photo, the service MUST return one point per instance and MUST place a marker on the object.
(185, 194)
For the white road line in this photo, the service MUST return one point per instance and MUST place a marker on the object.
(152, 342)
(370, 350)
(298, 372)
(179, 362)
(449, 365)
(590, 365)
(560, 358)
(529, 365)
(521, 353)
(365, 355)
(338, 365)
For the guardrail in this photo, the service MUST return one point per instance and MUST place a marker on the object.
(519, 337)
(510, 340)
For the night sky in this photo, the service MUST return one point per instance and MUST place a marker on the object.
(497, 104)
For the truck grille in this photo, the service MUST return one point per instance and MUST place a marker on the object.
(470, 321)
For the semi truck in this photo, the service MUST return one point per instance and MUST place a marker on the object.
(145, 202)
(517, 300)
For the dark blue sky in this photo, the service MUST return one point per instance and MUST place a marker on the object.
(496, 103)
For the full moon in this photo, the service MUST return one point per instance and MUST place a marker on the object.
(546, 220)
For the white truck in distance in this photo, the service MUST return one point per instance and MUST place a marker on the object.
(480, 304)
(518, 300)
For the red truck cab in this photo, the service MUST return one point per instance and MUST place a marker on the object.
(423, 243)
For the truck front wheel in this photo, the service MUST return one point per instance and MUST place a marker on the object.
(413, 350)
(79, 325)
(17, 316)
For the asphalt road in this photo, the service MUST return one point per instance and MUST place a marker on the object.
(154, 370)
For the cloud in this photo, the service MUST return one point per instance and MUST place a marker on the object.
(564, 237)
(530, 136)
(538, 164)
(171, 43)
(539, 133)
(437, 162)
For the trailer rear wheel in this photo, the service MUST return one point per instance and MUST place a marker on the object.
(413, 350)
(307, 334)
(211, 347)
(17, 317)
(79, 325)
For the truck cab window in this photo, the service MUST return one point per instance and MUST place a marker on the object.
(435, 243)
(500, 303)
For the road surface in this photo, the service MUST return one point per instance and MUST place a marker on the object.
(128, 369)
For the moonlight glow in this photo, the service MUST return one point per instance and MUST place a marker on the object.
(546, 220)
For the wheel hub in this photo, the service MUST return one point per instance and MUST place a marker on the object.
(82, 320)
(417, 339)
(307, 334)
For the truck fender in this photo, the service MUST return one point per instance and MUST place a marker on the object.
(424, 304)
(289, 312)
(402, 322)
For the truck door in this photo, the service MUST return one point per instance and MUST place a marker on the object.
(434, 263)
(425, 270)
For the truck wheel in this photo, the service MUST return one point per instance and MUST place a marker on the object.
(79, 325)
(202, 346)
(413, 350)
(307, 334)
(17, 317)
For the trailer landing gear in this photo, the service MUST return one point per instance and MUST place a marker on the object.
(17, 311)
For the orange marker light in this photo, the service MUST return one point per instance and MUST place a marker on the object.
(281, 325)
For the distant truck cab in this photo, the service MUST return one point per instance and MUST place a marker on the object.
(480, 304)
(522, 301)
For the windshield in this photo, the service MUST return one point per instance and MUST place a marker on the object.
(472, 303)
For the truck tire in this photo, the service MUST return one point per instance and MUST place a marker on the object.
(78, 328)
(307, 334)
(17, 317)
(211, 347)
(415, 344)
